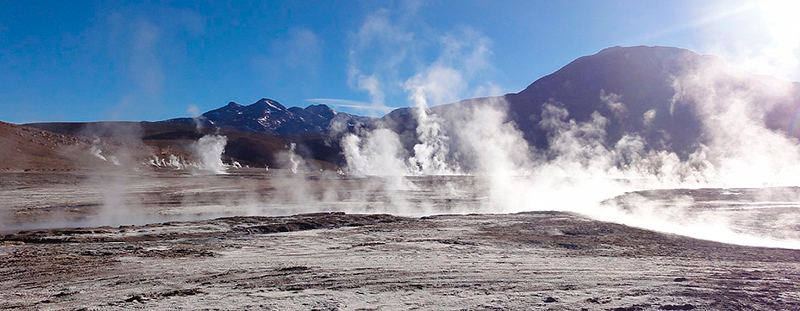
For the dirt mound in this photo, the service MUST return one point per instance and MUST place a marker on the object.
(247, 148)
(25, 148)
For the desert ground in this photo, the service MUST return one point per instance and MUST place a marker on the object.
(177, 240)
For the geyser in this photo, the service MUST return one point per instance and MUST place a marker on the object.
(208, 149)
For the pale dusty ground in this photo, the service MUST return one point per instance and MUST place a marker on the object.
(542, 260)
(385, 262)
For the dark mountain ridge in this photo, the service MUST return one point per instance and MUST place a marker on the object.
(270, 117)
(640, 77)
(256, 133)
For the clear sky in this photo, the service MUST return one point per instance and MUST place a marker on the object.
(84, 61)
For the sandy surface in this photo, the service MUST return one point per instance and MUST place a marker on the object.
(93, 198)
(337, 261)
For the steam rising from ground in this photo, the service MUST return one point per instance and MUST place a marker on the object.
(97, 152)
(432, 151)
(376, 153)
(473, 159)
(209, 150)
(581, 172)
(294, 158)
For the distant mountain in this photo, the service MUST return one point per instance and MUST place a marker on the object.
(256, 133)
(641, 77)
(268, 116)
(140, 141)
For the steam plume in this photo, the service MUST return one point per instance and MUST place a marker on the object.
(209, 150)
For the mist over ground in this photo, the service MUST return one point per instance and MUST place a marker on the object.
(399, 157)
(476, 149)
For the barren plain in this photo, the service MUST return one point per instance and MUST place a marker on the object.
(181, 243)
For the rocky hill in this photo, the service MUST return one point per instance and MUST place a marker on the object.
(268, 116)
(633, 88)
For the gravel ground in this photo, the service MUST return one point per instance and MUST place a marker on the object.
(338, 261)
(542, 260)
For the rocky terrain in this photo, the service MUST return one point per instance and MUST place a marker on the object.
(174, 240)
(329, 261)
(30, 149)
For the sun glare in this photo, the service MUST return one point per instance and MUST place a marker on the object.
(781, 18)
(776, 50)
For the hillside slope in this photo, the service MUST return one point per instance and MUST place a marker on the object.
(30, 149)
(165, 138)
(642, 79)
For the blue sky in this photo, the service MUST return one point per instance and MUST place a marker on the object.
(85, 61)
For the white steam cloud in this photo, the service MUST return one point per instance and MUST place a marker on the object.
(294, 158)
(580, 172)
(377, 153)
(208, 150)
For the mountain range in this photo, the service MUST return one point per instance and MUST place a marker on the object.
(641, 77)
(267, 116)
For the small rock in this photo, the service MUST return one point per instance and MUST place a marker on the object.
(137, 298)
(687, 306)
(64, 293)
(549, 299)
